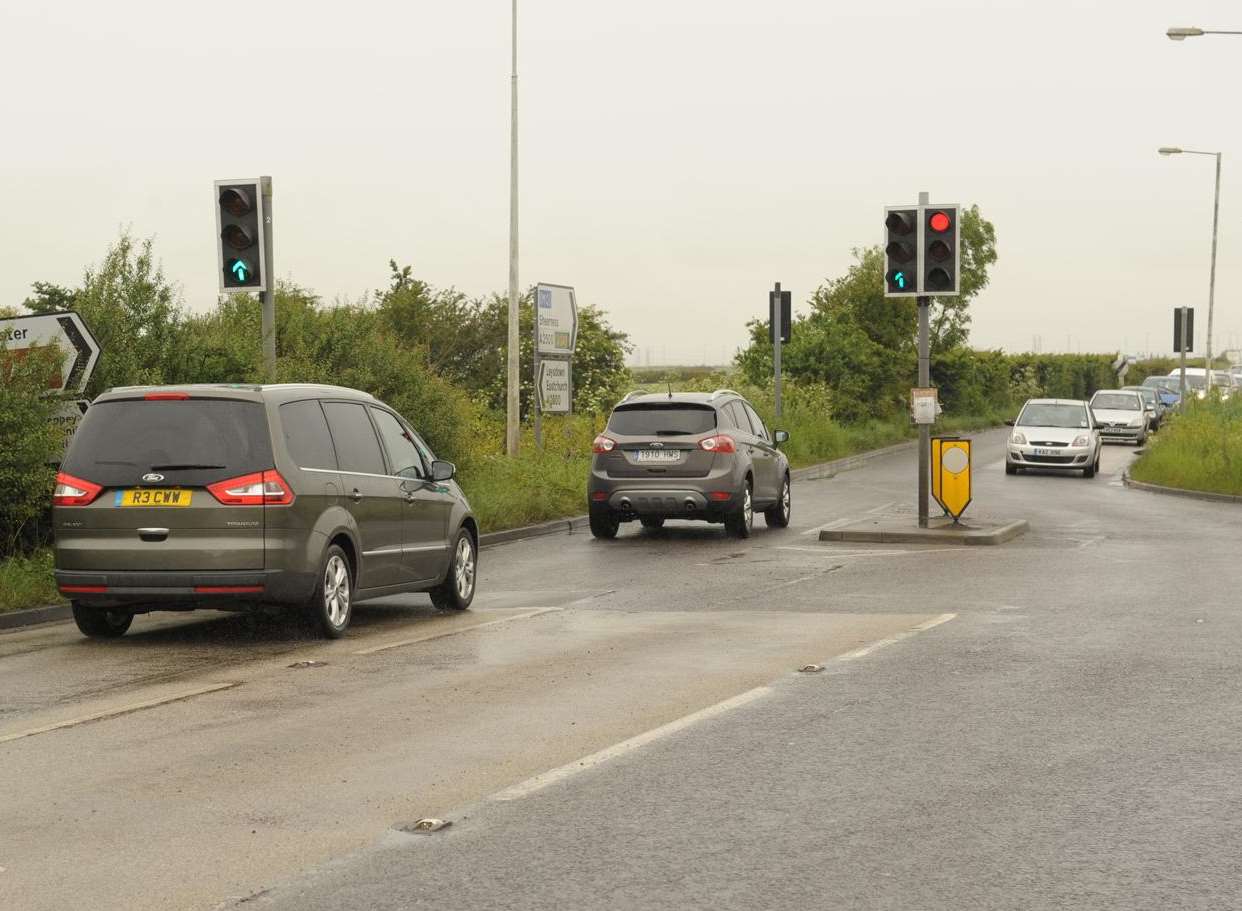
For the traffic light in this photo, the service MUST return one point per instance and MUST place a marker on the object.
(239, 232)
(941, 251)
(901, 251)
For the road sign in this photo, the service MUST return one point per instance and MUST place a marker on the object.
(786, 317)
(555, 387)
(67, 331)
(924, 405)
(68, 417)
(951, 474)
(241, 244)
(556, 320)
(1178, 346)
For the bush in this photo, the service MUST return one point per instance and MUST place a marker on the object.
(1199, 448)
(29, 447)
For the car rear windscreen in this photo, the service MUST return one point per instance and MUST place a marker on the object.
(662, 420)
(190, 441)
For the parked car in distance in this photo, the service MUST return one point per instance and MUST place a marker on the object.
(690, 455)
(1166, 388)
(1196, 379)
(228, 496)
(1151, 404)
(1054, 433)
(1120, 415)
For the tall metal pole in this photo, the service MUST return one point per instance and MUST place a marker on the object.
(512, 413)
(535, 405)
(924, 304)
(268, 298)
(1212, 279)
(777, 329)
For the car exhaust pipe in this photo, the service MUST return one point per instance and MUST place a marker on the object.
(624, 503)
(689, 504)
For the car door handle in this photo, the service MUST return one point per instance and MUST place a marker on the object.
(356, 496)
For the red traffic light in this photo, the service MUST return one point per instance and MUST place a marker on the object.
(939, 222)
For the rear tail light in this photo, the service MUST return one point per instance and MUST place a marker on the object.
(603, 444)
(719, 443)
(166, 396)
(83, 589)
(599, 496)
(71, 491)
(720, 495)
(263, 488)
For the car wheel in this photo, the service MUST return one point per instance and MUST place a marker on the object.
(778, 515)
(331, 603)
(604, 524)
(1011, 468)
(99, 622)
(457, 590)
(653, 523)
(740, 521)
(1089, 471)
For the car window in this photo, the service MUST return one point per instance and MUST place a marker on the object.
(403, 457)
(357, 447)
(738, 416)
(1117, 401)
(662, 420)
(1051, 414)
(306, 435)
(761, 429)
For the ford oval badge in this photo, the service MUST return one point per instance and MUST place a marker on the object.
(153, 477)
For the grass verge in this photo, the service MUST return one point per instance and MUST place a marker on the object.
(1199, 449)
(27, 582)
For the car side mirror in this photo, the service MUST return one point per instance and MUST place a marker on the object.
(781, 436)
(443, 471)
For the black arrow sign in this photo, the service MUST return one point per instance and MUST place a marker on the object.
(83, 349)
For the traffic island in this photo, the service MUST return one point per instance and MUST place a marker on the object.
(940, 530)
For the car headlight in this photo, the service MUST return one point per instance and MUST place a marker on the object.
(1137, 422)
(1018, 439)
(1082, 440)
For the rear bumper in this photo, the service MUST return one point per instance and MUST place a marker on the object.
(185, 588)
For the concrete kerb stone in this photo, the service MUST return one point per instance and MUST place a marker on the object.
(1179, 491)
(941, 534)
(57, 613)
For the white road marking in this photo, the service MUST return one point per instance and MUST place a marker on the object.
(881, 508)
(828, 552)
(537, 783)
(122, 710)
(893, 640)
(541, 781)
(452, 632)
(836, 523)
(801, 579)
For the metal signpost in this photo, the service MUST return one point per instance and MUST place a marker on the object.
(922, 252)
(65, 330)
(779, 318)
(556, 336)
(1183, 342)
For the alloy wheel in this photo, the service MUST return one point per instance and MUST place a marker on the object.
(463, 568)
(336, 591)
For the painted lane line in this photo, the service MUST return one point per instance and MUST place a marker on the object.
(881, 508)
(543, 780)
(893, 640)
(826, 551)
(122, 710)
(453, 632)
(836, 523)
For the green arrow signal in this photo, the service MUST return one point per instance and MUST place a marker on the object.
(240, 270)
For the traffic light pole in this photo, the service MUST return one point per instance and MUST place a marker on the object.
(268, 298)
(513, 400)
(777, 330)
(924, 382)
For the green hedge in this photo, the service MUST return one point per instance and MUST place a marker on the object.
(29, 446)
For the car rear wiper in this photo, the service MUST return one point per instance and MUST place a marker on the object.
(183, 467)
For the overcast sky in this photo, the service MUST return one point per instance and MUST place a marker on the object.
(678, 156)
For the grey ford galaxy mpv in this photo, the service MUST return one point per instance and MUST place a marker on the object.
(226, 496)
(689, 455)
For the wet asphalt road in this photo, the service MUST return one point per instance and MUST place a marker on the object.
(1068, 739)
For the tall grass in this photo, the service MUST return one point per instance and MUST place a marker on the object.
(1198, 449)
(27, 581)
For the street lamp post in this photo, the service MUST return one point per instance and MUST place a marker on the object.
(1172, 150)
(512, 412)
(1181, 33)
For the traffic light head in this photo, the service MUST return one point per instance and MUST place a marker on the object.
(940, 244)
(900, 251)
(239, 227)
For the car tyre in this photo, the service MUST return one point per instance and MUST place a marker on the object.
(652, 523)
(1089, 471)
(457, 590)
(99, 622)
(741, 521)
(1011, 468)
(778, 515)
(604, 524)
(331, 603)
